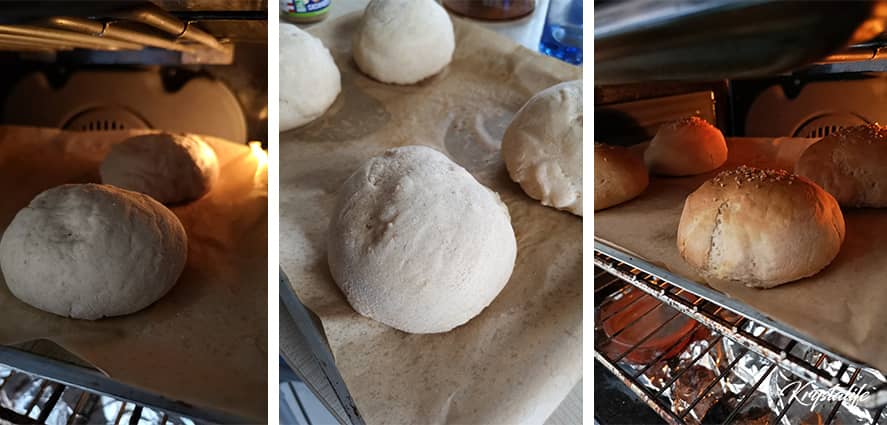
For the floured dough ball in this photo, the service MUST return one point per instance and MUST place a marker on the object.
(309, 78)
(758, 227)
(542, 147)
(170, 168)
(415, 242)
(686, 147)
(92, 251)
(619, 175)
(849, 164)
(403, 41)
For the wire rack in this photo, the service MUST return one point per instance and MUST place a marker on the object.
(775, 353)
(30, 399)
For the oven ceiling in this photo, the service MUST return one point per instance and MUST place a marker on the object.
(643, 40)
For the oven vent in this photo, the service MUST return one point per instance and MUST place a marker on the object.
(105, 119)
(825, 124)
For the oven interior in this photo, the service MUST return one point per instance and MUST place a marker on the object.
(699, 356)
(180, 66)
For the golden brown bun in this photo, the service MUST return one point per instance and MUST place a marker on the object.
(687, 147)
(850, 164)
(762, 228)
(619, 175)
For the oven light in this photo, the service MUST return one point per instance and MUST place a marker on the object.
(260, 176)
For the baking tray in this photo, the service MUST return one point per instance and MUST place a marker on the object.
(200, 348)
(94, 381)
(825, 310)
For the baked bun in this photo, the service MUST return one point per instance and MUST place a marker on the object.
(762, 228)
(619, 175)
(687, 147)
(849, 164)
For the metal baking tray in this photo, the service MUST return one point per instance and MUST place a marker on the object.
(304, 348)
(30, 399)
(60, 374)
(609, 257)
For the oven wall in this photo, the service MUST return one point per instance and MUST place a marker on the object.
(632, 113)
(245, 78)
(808, 105)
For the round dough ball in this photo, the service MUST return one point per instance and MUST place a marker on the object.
(170, 168)
(762, 228)
(619, 175)
(403, 41)
(415, 242)
(309, 78)
(542, 147)
(687, 147)
(90, 251)
(849, 164)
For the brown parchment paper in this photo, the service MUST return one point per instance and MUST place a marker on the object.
(842, 307)
(205, 342)
(517, 360)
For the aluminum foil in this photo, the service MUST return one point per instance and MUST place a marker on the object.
(695, 371)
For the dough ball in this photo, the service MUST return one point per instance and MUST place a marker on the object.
(542, 147)
(849, 164)
(403, 41)
(687, 147)
(170, 168)
(415, 242)
(758, 227)
(619, 175)
(90, 251)
(309, 78)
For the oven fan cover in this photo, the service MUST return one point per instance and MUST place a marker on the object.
(818, 109)
(106, 119)
(115, 100)
(825, 124)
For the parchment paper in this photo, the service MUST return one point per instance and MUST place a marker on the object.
(843, 307)
(205, 342)
(520, 357)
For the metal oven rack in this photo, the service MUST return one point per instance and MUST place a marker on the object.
(38, 388)
(776, 348)
(29, 399)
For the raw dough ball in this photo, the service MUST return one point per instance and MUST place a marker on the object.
(849, 164)
(542, 147)
(309, 78)
(403, 41)
(170, 168)
(415, 242)
(687, 147)
(619, 175)
(762, 228)
(91, 251)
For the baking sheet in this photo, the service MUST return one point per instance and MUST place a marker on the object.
(843, 307)
(521, 356)
(205, 342)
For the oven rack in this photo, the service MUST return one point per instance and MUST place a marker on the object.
(613, 276)
(67, 374)
(117, 29)
(661, 284)
(30, 399)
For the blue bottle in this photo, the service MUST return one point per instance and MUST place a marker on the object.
(562, 35)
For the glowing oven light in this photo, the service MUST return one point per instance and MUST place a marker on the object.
(260, 155)
(260, 176)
